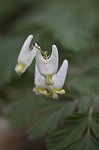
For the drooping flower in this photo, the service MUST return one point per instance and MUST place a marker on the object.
(59, 79)
(56, 88)
(48, 81)
(48, 66)
(39, 81)
(26, 56)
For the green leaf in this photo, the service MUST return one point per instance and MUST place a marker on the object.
(84, 84)
(95, 124)
(84, 103)
(73, 130)
(84, 143)
(50, 117)
(20, 112)
(42, 115)
(80, 132)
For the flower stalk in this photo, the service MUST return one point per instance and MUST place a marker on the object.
(44, 53)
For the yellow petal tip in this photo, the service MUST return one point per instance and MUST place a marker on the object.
(19, 68)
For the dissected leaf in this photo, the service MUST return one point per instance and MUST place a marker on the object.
(86, 85)
(49, 118)
(43, 114)
(85, 103)
(77, 134)
(20, 112)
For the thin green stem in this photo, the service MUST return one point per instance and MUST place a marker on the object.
(43, 53)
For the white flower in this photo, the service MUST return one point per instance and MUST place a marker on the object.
(26, 56)
(48, 66)
(59, 79)
(39, 82)
(56, 88)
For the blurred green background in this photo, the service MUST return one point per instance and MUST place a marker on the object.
(73, 25)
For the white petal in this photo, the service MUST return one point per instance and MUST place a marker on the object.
(24, 69)
(32, 55)
(50, 65)
(39, 79)
(20, 69)
(41, 63)
(25, 50)
(53, 61)
(59, 78)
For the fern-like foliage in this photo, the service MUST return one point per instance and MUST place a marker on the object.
(40, 116)
(80, 132)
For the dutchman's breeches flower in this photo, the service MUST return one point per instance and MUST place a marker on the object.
(48, 66)
(59, 79)
(26, 56)
(56, 88)
(49, 80)
(39, 81)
